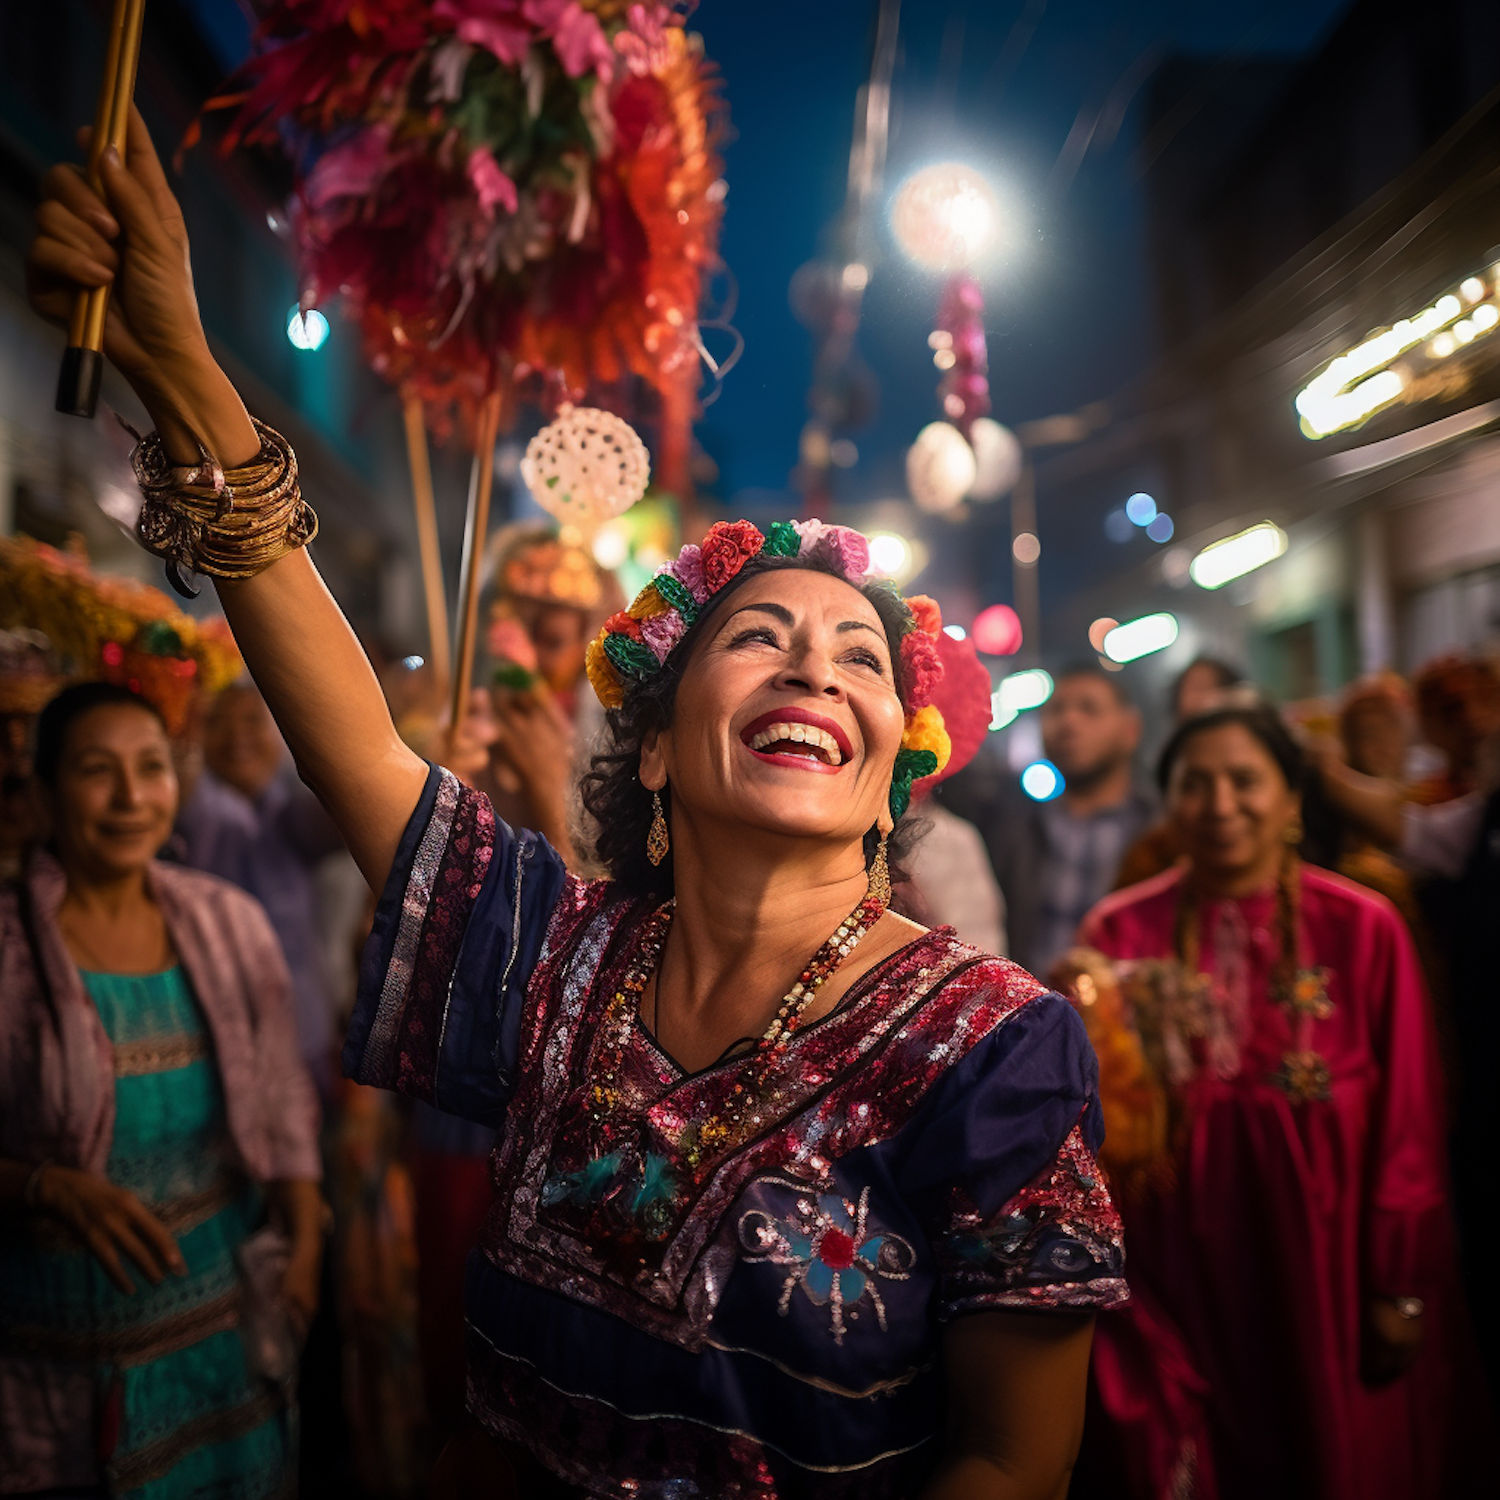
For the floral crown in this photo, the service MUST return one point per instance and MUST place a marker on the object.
(635, 643)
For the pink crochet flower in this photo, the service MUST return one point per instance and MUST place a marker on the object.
(852, 550)
(844, 547)
(810, 532)
(921, 669)
(688, 571)
(726, 549)
(662, 632)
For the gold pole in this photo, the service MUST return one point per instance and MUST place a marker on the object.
(83, 360)
(427, 539)
(477, 527)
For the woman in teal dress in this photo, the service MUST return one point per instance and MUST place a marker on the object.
(153, 1117)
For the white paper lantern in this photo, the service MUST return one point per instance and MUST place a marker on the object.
(586, 466)
(997, 458)
(940, 467)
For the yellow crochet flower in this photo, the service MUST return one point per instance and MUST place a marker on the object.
(602, 675)
(925, 730)
(648, 604)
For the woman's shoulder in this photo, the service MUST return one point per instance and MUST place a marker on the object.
(965, 998)
(216, 910)
(1347, 902)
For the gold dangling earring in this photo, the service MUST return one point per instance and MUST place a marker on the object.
(880, 873)
(1294, 833)
(658, 841)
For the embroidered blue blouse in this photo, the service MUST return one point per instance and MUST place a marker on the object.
(767, 1325)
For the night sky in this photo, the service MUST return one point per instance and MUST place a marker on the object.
(1068, 312)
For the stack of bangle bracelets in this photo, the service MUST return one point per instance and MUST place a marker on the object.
(234, 523)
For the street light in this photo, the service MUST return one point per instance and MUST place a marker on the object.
(1237, 555)
(1137, 638)
(945, 216)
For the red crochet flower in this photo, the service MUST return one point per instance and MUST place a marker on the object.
(921, 669)
(621, 623)
(726, 549)
(926, 613)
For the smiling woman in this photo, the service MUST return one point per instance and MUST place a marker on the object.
(783, 1179)
(152, 1107)
(744, 626)
(1297, 1324)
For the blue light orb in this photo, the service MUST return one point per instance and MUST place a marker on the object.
(1141, 509)
(1161, 527)
(306, 331)
(1042, 781)
(1117, 526)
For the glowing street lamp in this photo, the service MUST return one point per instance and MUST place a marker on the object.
(1237, 555)
(945, 216)
(1137, 638)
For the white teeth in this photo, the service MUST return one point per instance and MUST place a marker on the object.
(801, 734)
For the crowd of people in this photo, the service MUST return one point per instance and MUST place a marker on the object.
(590, 1210)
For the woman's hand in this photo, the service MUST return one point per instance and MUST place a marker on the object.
(297, 1207)
(1392, 1342)
(133, 240)
(534, 738)
(109, 1221)
(301, 1284)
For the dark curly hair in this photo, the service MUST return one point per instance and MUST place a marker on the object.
(620, 806)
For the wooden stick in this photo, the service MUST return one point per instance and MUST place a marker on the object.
(83, 360)
(427, 539)
(476, 528)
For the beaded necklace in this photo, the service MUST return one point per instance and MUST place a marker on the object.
(1301, 993)
(629, 1192)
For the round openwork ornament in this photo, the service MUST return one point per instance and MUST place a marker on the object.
(586, 466)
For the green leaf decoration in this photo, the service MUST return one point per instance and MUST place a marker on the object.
(630, 657)
(781, 540)
(900, 796)
(678, 595)
(915, 764)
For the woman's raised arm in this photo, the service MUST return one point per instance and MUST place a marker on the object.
(296, 641)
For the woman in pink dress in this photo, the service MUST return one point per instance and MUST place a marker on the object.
(1296, 1328)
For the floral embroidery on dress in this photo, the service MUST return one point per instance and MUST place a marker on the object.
(831, 1251)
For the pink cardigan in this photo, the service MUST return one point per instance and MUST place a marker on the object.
(57, 1098)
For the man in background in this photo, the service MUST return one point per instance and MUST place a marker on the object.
(1054, 860)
